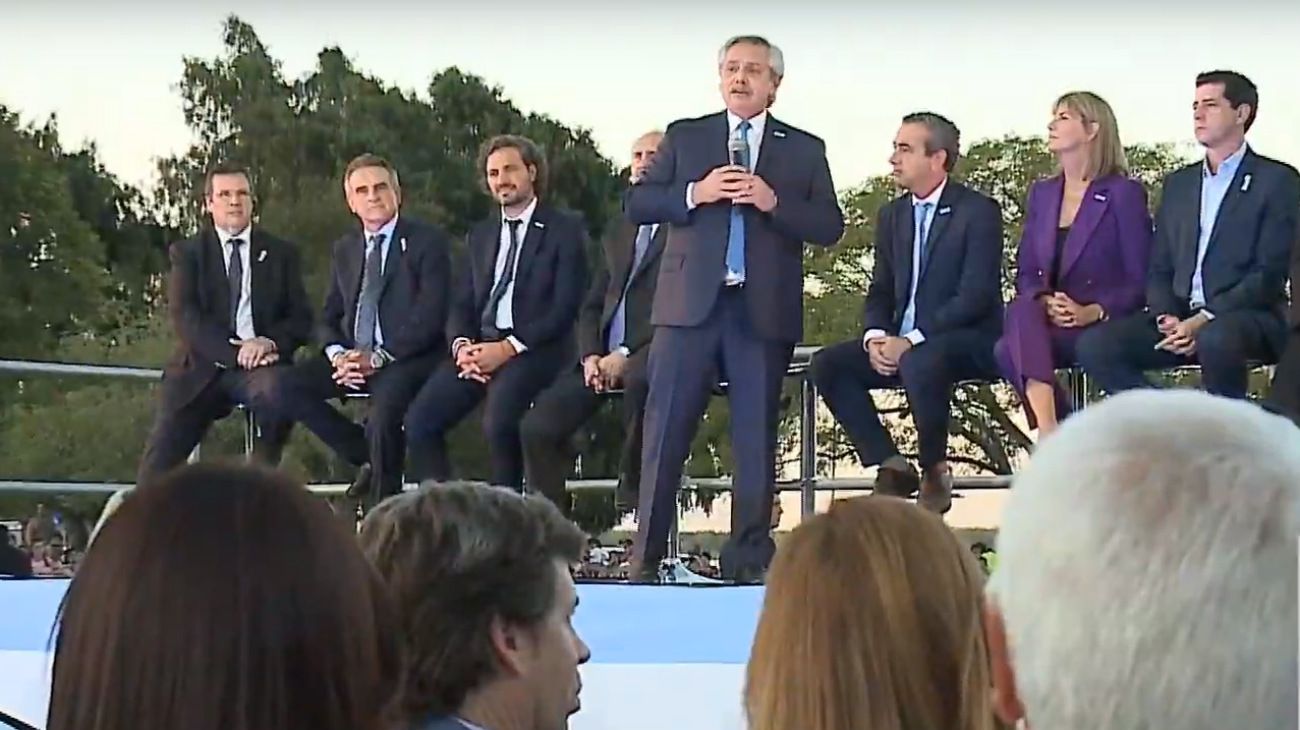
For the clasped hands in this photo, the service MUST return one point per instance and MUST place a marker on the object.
(603, 374)
(1067, 313)
(352, 367)
(1179, 334)
(734, 183)
(255, 352)
(479, 360)
(885, 353)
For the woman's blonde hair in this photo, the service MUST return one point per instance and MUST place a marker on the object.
(1105, 152)
(871, 620)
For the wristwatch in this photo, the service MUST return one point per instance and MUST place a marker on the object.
(376, 360)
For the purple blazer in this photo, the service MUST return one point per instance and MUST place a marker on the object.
(1107, 249)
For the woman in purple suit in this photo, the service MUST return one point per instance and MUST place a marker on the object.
(1082, 258)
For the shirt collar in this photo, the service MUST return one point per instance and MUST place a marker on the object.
(756, 122)
(244, 235)
(933, 197)
(525, 217)
(1228, 166)
(386, 229)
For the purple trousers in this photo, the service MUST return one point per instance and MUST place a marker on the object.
(1032, 348)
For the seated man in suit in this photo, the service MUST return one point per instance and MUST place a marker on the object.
(1284, 393)
(1216, 287)
(511, 326)
(614, 340)
(933, 312)
(239, 310)
(381, 329)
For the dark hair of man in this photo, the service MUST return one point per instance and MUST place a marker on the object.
(223, 168)
(456, 557)
(528, 151)
(943, 135)
(1237, 89)
(225, 598)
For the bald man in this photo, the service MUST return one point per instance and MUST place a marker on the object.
(614, 334)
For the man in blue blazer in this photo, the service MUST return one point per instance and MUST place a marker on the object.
(741, 193)
(933, 312)
(1216, 287)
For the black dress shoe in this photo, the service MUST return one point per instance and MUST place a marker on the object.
(896, 480)
(360, 487)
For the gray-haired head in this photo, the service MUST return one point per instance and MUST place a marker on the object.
(1146, 572)
(776, 59)
(943, 135)
(460, 559)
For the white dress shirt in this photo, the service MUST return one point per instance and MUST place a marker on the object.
(505, 316)
(1214, 188)
(914, 335)
(244, 314)
(387, 230)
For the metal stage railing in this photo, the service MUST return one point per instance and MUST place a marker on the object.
(807, 482)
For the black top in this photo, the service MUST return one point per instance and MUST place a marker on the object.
(1061, 234)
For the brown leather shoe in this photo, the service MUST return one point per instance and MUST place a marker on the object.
(936, 489)
(896, 478)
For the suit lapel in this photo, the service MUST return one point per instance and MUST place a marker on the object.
(623, 254)
(1237, 190)
(486, 250)
(938, 226)
(393, 261)
(528, 248)
(720, 130)
(214, 256)
(1091, 210)
(652, 251)
(258, 260)
(1045, 235)
(904, 232)
(354, 258)
(770, 150)
(1191, 230)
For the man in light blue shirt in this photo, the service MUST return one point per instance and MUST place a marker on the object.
(1216, 288)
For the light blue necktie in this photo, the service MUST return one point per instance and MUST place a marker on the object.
(736, 232)
(920, 214)
(618, 325)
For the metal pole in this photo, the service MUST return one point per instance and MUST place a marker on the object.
(807, 447)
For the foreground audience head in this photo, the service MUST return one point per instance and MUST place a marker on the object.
(871, 620)
(486, 602)
(1147, 570)
(224, 598)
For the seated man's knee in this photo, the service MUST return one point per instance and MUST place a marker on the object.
(267, 388)
(1096, 347)
(501, 428)
(923, 366)
(1218, 343)
(535, 429)
(825, 365)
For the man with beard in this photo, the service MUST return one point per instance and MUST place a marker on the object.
(511, 325)
(741, 193)
(614, 341)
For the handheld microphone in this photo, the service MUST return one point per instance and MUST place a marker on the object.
(738, 147)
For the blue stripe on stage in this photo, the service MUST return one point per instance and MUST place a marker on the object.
(622, 624)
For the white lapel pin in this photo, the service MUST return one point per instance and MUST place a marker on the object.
(945, 210)
(403, 244)
(261, 256)
(1099, 197)
(1245, 183)
(539, 224)
(778, 134)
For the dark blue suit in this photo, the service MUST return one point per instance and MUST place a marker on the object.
(550, 280)
(416, 290)
(1244, 273)
(958, 310)
(704, 329)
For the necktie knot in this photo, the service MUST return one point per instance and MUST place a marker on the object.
(378, 239)
(744, 126)
(235, 243)
(513, 223)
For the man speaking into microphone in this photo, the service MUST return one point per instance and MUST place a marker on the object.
(741, 193)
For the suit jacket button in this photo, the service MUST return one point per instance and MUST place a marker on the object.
(1040, 272)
